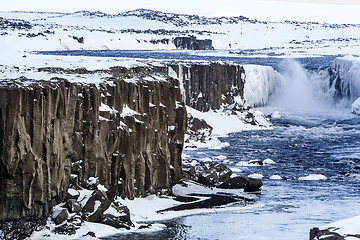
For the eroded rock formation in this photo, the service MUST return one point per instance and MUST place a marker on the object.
(127, 131)
(210, 86)
(192, 43)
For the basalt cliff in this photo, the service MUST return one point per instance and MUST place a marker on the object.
(125, 130)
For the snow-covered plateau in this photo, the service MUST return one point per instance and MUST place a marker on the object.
(293, 89)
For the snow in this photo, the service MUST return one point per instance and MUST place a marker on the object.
(276, 114)
(346, 226)
(269, 161)
(276, 177)
(126, 112)
(313, 177)
(256, 176)
(92, 180)
(72, 192)
(355, 107)
(105, 108)
(224, 124)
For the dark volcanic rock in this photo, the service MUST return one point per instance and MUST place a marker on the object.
(214, 175)
(20, 229)
(121, 219)
(127, 134)
(60, 215)
(198, 129)
(316, 233)
(248, 184)
(192, 43)
(211, 85)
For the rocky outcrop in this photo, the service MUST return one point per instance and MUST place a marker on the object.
(212, 174)
(316, 233)
(126, 131)
(210, 85)
(192, 43)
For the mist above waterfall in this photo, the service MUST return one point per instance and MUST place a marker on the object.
(301, 90)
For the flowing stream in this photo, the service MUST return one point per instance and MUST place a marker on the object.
(312, 136)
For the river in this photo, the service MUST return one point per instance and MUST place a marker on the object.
(325, 142)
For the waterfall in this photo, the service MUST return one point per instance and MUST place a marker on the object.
(302, 90)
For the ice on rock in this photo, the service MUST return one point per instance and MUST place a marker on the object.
(260, 83)
(276, 114)
(313, 177)
(256, 176)
(347, 70)
(355, 107)
(276, 177)
(268, 161)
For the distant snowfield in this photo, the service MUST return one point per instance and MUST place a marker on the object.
(135, 31)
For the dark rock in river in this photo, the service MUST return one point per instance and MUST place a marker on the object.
(248, 184)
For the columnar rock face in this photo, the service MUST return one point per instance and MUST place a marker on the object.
(210, 86)
(191, 43)
(127, 132)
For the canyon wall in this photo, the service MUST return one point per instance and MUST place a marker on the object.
(210, 86)
(126, 131)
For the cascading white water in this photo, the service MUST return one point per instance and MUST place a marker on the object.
(300, 90)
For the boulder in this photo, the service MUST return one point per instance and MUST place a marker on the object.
(198, 129)
(248, 184)
(72, 206)
(71, 194)
(95, 198)
(316, 233)
(59, 215)
(214, 174)
(117, 216)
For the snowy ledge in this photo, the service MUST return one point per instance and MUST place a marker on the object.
(347, 229)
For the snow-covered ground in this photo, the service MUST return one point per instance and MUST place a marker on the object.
(135, 30)
(144, 29)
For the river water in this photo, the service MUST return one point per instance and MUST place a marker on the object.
(301, 143)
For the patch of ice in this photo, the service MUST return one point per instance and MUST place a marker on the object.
(220, 157)
(313, 177)
(276, 177)
(256, 176)
(269, 161)
(276, 114)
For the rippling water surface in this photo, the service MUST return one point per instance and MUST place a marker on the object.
(300, 145)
